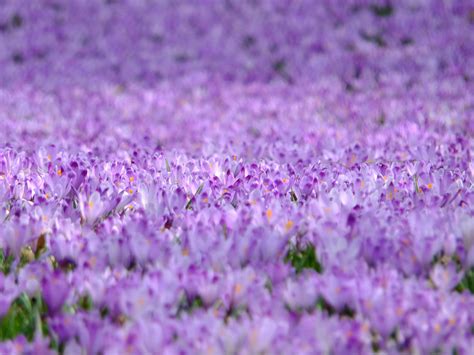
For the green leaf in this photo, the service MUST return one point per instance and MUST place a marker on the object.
(415, 182)
(189, 304)
(304, 258)
(467, 282)
(374, 38)
(382, 10)
(21, 318)
(6, 262)
(191, 200)
(323, 305)
(85, 303)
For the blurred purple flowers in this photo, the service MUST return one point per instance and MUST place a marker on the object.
(236, 177)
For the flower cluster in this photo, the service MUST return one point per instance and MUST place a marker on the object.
(236, 177)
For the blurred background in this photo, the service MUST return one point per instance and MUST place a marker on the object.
(52, 42)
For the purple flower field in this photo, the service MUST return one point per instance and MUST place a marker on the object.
(236, 177)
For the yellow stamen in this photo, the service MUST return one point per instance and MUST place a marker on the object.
(49, 157)
(121, 319)
(59, 172)
(93, 261)
(130, 191)
(253, 337)
(365, 328)
(237, 288)
(437, 328)
(353, 159)
(46, 195)
(429, 186)
(91, 204)
(285, 180)
(131, 178)
(234, 157)
(19, 348)
(185, 252)
(288, 225)
(269, 214)
(141, 301)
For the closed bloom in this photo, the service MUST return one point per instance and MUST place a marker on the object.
(55, 290)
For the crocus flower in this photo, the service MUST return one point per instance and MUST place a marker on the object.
(239, 177)
(55, 290)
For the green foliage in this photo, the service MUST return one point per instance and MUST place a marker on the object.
(415, 183)
(85, 303)
(304, 258)
(269, 285)
(376, 39)
(235, 312)
(279, 66)
(325, 306)
(196, 303)
(322, 305)
(467, 282)
(189, 304)
(193, 198)
(23, 317)
(382, 10)
(6, 262)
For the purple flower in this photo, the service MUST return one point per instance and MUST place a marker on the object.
(164, 167)
(55, 290)
(9, 293)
